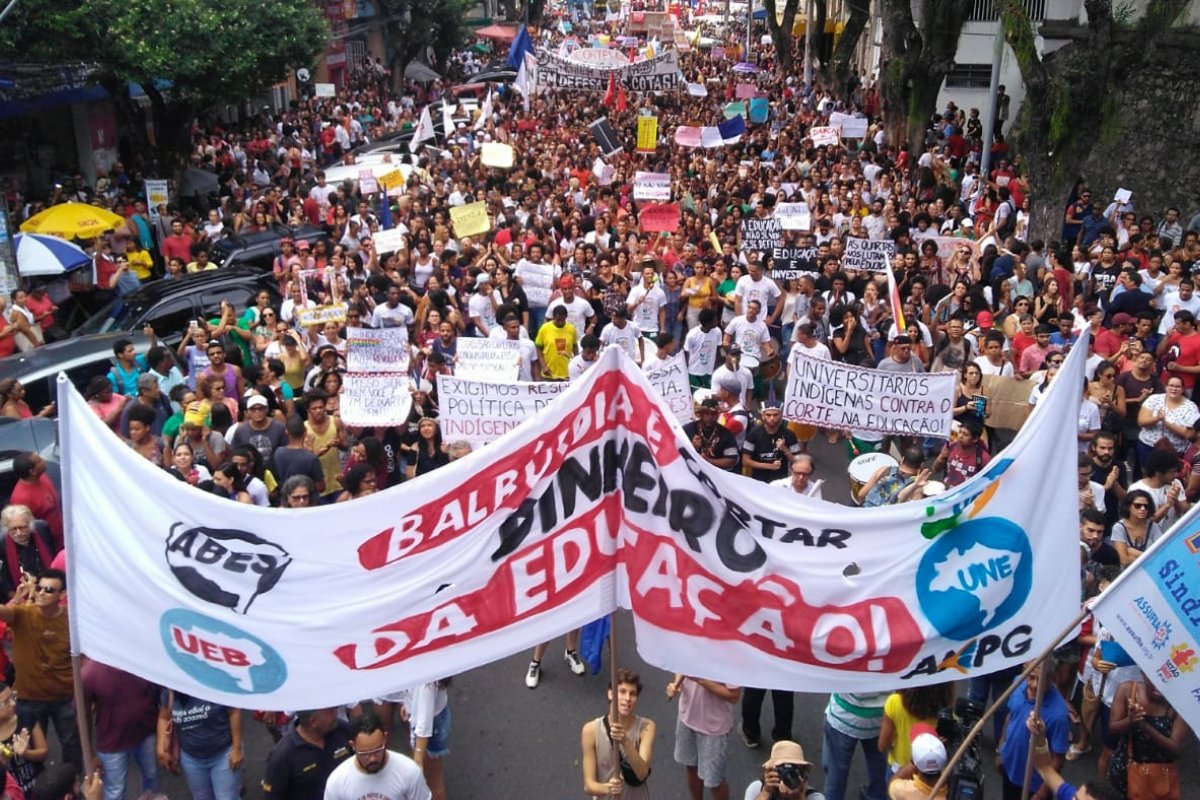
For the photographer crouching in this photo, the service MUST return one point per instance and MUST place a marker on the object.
(785, 776)
(916, 779)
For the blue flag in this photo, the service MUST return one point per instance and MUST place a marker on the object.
(520, 46)
(732, 128)
(385, 211)
(592, 638)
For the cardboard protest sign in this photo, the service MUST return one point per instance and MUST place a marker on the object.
(871, 255)
(647, 134)
(793, 216)
(659, 217)
(497, 154)
(470, 219)
(826, 135)
(391, 180)
(760, 234)
(367, 400)
(389, 241)
(789, 263)
(1008, 401)
(487, 359)
(482, 411)
(652, 186)
(335, 312)
(670, 379)
(377, 350)
(832, 394)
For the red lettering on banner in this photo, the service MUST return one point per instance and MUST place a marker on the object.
(615, 403)
(671, 590)
(552, 571)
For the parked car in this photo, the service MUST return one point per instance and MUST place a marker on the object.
(167, 305)
(36, 435)
(259, 249)
(81, 359)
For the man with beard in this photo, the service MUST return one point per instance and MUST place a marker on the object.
(375, 771)
(304, 758)
(1109, 472)
(712, 441)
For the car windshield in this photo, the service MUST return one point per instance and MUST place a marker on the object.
(220, 251)
(116, 315)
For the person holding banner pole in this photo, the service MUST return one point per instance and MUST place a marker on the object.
(1059, 788)
(617, 748)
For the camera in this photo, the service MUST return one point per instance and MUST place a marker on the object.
(791, 775)
(953, 725)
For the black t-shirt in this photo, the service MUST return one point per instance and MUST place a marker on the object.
(1111, 501)
(761, 445)
(291, 461)
(715, 443)
(265, 441)
(298, 770)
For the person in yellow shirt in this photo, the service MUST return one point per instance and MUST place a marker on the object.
(139, 260)
(558, 341)
(201, 264)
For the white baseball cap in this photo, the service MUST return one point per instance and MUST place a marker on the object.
(928, 754)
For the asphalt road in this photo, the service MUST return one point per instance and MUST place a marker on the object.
(511, 743)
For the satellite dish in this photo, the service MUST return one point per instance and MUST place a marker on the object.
(303, 75)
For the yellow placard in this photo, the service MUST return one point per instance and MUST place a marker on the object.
(498, 155)
(470, 219)
(647, 134)
(391, 180)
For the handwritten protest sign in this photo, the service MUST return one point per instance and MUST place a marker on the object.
(366, 182)
(482, 411)
(376, 350)
(825, 135)
(659, 217)
(744, 91)
(324, 90)
(949, 245)
(789, 263)
(652, 186)
(470, 219)
(871, 255)
(389, 241)
(374, 399)
(760, 234)
(647, 134)
(831, 394)
(497, 154)
(793, 216)
(1008, 401)
(488, 359)
(335, 312)
(854, 128)
(670, 380)
(605, 173)
(391, 180)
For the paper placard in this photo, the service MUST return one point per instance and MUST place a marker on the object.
(157, 194)
(647, 134)
(760, 234)
(1123, 196)
(470, 219)
(377, 350)
(482, 411)
(659, 217)
(371, 400)
(366, 182)
(789, 263)
(793, 216)
(652, 186)
(854, 128)
(670, 380)
(335, 312)
(688, 136)
(324, 90)
(497, 154)
(744, 91)
(697, 90)
(392, 180)
(825, 135)
(760, 110)
(603, 172)
(488, 359)
(735, 109)
(832, 394)
(871, 255)
(390, 241)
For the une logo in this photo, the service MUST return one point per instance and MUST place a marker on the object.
(219, 655)
(975, 577)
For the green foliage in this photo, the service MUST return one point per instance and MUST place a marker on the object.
(416, 25)
(211, 52)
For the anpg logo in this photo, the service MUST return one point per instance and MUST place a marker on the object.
(220, 655)
(975, 577)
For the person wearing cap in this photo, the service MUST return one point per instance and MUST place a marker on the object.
(785, 775)
(302, 761)
(734, 417)
(259, 430)
(711, 440)
(732, 368)
(558, 342)
(326, 361)
(579, 311)
(916, 779)
(481, 308)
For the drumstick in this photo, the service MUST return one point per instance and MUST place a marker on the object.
(816, 486)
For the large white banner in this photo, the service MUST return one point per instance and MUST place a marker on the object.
(487, 359)
(831, 394)
(596, 504)
(1153, 612)
(658, 74)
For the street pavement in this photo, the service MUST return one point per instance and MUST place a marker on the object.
(510, 743)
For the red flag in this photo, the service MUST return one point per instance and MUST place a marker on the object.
(611, 94)
(621, 104)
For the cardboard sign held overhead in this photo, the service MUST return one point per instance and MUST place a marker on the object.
(497, 154)
(470, 219)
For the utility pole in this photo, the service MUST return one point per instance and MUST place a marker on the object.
(808, 41)
(989, 123)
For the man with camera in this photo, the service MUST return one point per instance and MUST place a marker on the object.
(916, 779)
(785, 776)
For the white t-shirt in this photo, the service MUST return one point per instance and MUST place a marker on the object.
(1005, 369)
(384, 317)
(763, 290)
(648, 302)
(1172, 303)
(480, 305)
(814, 487)
(578, 365)
(818, 350)
(750, 336)
(626, 338)
(701, 350)
(399, 779)
(579, 311)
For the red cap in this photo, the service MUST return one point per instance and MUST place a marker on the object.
(566, 282)
(984, 319)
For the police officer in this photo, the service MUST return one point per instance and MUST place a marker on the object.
(303, 759)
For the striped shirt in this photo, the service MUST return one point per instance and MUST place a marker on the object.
(857, 715)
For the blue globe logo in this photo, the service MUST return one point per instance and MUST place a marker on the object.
(975, 577)
(219, 655)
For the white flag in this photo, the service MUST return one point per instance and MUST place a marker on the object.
(526, 79)
(423, 132)
(447, 119)
(486, 114)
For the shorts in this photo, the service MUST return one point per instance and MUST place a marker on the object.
(699, 381)
(705, 752)
(438, 745)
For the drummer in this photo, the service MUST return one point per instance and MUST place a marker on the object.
(749, 331)
(899, 484)
(733, 368)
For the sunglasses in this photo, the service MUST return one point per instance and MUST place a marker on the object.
(300, 497)
(1142, 506)
(48, 590)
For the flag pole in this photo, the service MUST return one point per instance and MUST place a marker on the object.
(612, 666)
(1043, 677)
(1002, 699)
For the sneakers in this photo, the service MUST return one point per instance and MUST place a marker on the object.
(575, 662)
(751, 743)
(534, 676)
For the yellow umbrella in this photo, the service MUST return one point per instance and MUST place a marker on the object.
(69, 220)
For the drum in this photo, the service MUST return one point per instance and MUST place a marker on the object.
(933, 488)
(750, 362)
(862, 468)
(770, 368)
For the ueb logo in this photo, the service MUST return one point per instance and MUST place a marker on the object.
(220, 655)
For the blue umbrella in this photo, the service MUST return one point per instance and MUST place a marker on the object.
(39, 255)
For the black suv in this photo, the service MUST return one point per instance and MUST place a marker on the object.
(80, 359)
(258, 250)
(168, 305)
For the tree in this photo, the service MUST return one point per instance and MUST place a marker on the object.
(839, 72)
(916, 60)
(781, 33)
(1079, 117)
(417, 27)
(210, 53)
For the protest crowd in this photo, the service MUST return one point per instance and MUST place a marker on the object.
(523, 239)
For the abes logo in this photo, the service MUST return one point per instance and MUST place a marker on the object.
(220, 655)
(975, 577)
(227, 568)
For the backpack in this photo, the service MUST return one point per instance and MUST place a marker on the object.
(1010, 222)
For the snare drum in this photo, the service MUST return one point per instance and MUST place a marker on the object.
(862, 468)
(933, 488)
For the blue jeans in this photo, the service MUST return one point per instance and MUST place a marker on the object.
(536, 317)
(986, 688)
(211, 778)
(837, 751)
(62, 714)
(116, 768)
